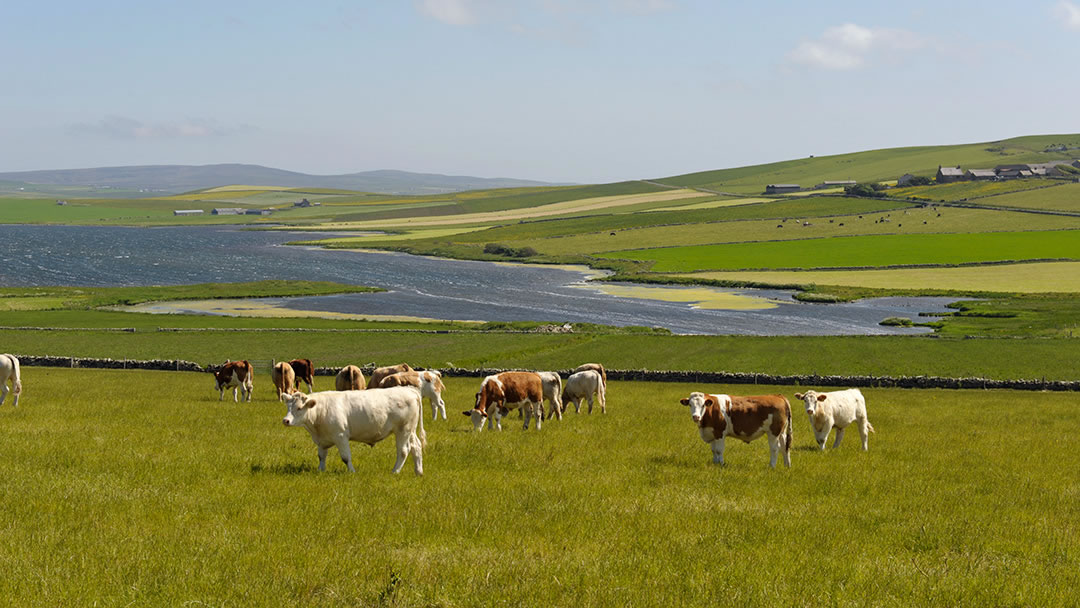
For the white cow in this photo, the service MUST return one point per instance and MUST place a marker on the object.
(9, 370)
(430, 384)
(552, 384)
(334, 418)
(837, 409)
(583, 385)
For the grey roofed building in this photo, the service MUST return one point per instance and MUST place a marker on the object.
(949, 174)
(187, 212)
(981, 174)
(782, 188)
(228, 211)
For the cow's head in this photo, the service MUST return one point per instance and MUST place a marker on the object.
(699, 402)
(811, 399)
(221, 375)
(490, 395)
(299, 405)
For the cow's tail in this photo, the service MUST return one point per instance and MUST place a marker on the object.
(420, 421)
(790, 423)
(15, 370)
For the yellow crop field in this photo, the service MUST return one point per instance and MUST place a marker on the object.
(1042, 277)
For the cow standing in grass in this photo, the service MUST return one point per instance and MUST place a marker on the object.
(9, 371)
(304, 370)
(552, 383)
(284, 377)
(744, 418)
(350, 378)
(583, 385)
(507, 391)
(836, 410)
(381, 372)
(430, 384)
(235, 375)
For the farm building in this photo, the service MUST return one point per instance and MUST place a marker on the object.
(228, 211)
(259, 211)
(981, 174)
(835, 184)
(949, 174)
(187, 212)
(782, 188)
(305, 203)
(904, 179)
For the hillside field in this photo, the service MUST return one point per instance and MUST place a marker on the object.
(150, 490)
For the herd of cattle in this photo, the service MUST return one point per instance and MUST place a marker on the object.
(355, 412)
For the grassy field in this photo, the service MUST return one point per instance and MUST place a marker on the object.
(958, 191)
(857, 251)
(147, 490)
(1060, 198)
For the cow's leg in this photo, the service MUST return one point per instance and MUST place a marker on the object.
(527, 415)
(234, 397)
(404, 443)
(342, 442)
(602, 399)
(839, 436)
(718, 451)
(539, 414)
(3, 392)
(774, 447)
(556, 407)
(221, 394)
(784, 446)
(864, 431)
(417, 450)
(498, 419)
(442, 407)
(590, 403)
(322, 458)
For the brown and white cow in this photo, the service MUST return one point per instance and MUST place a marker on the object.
(583, 385)
(350, 378)
(507, 391)
(836, 410)
(430, 384)
(284, 377)
(234, 374)
(381, 372)
(304, 371)
(596, 367)
(745, 418)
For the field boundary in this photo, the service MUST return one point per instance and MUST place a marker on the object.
(644, 375)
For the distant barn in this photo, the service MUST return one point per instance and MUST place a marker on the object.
(782, 188)
(188, 212)
(228, 211)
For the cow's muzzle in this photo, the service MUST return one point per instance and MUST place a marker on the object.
(696, 419)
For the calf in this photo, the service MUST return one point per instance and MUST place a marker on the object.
(284, 377)
(9, 370)
(507, 391)
(745, 418)
(583, 385)
(234, 374)
(334, 418)
(350, 378)
(836, 410)
(552, 385)
(596, 367)
(304, 371)
(430, 384)
(381, 372)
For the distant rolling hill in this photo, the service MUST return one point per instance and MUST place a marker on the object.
(184, 178)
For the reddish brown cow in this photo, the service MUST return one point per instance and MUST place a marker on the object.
(745, 418)
(234, 374)
(350, 378)
(284, 377)
(507, 391)
(304, 371)
(381, 372)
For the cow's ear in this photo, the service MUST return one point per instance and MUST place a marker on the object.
(822, 397)
(684, 401)
(467, 412)
(799, 396)
(709, 401)
(307, 404)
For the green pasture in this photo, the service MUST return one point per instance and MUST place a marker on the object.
(877, 165)
(958, 191)
(134, 487)
(859, 251)
(42, 211)
(1060, 198)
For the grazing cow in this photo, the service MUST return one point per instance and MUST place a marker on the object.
(836, 410)
(552, 384)
(596, 367)
(284, 377)
(304, 371)
(350, 378)
(235, 374)
(381, 372)
(507, 391)
(9, 370)
(430, 384)
(745, 418)
(334, 418)
(583, 385)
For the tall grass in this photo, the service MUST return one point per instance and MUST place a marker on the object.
(140, 487)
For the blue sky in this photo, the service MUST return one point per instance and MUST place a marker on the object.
(585, 91)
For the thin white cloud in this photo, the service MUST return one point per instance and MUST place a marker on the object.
(120, 127)
(1069, 14)
(851, 46)
(452, 12)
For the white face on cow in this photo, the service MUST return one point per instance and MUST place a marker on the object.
(298, 409)
(697, 402)
(811, 399)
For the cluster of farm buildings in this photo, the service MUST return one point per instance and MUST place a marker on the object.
(241, 210)
(953, 174)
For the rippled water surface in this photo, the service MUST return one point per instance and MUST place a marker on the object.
(419, 286)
